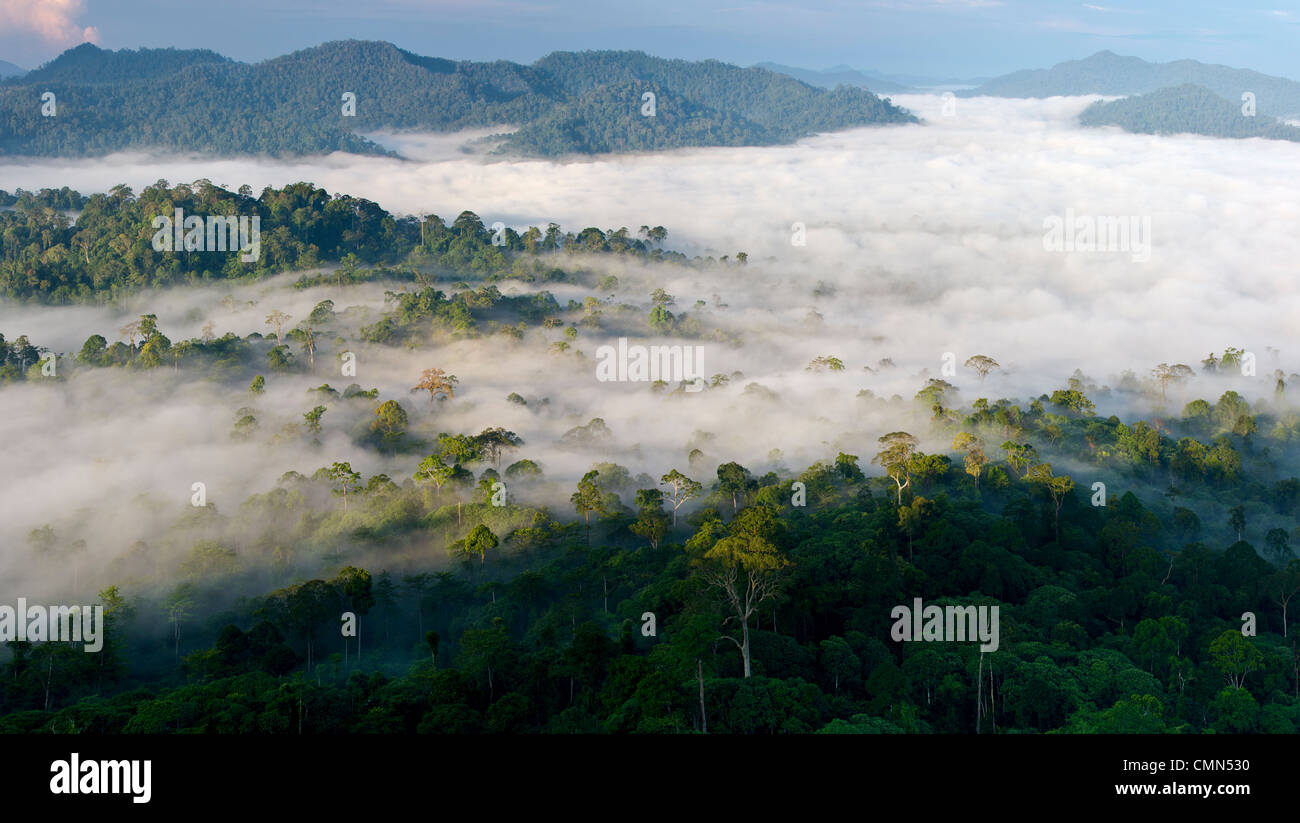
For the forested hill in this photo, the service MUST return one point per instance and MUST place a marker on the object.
(108, 251)
(1108, 73)
(199, 101)
(88, 64)
(1185, 110)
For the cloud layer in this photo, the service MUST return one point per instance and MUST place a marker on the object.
(920, 241)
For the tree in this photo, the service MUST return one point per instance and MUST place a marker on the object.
(1276, 540)
(1283, 586)
(277, 319)
(1234, 711)
(492, 441)
(652, 521)
(431, 639)
(479, 541)
(313, 421)
(353, 586)
(911, 516)
(1165, 374)
(307, 336)
(982, 365)
(178, 605)
(935, 393)
(896, 450)
(1237, 519)
(1019, 455)
(1057, 487)
(487, 651)
(1234, 656)
(733, 479)
(280, 358)
(258, 385)
(433, 469)
(93, 350)
(744, 566)
(390, 422)
(323, 313)
(588, 499)
(823, 362)
(680, 489)
(523, 470)
(973, 448)
(459, 448)
(661, 320)
(437, 382)
(129, 333)
(347, 481)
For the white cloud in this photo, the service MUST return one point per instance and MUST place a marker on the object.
(53, 21)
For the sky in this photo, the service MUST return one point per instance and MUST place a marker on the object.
(942, 39)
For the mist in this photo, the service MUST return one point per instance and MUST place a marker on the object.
(921, 241)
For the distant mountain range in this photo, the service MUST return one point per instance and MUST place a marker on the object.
(877, 82)
(1185, 109)
(566, 102)
(8, 69)
(1108, 73)
(837, 76)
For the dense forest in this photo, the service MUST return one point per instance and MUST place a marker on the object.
(1185, 110)
(1141, 564)
(58, 246)
(564, 103)
(760, 606)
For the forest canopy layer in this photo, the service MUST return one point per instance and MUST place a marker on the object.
(414, 440)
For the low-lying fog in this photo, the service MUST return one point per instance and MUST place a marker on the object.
(927, 239)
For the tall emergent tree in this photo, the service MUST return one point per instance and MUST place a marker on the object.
(680, 489)
(896, 450)
(437, 382)
(745, 567)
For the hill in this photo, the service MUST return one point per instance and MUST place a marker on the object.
(1108, 73)
(565, 102)
(88, 64)
(8, 69)
(1185, 109)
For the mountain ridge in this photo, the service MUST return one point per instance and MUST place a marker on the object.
(1108, 73)
(293, 103)
(1185, 109)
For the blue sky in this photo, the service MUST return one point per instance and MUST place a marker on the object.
(959, 38)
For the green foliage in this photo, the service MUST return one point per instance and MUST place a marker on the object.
(566, 102)
(1187, 109)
